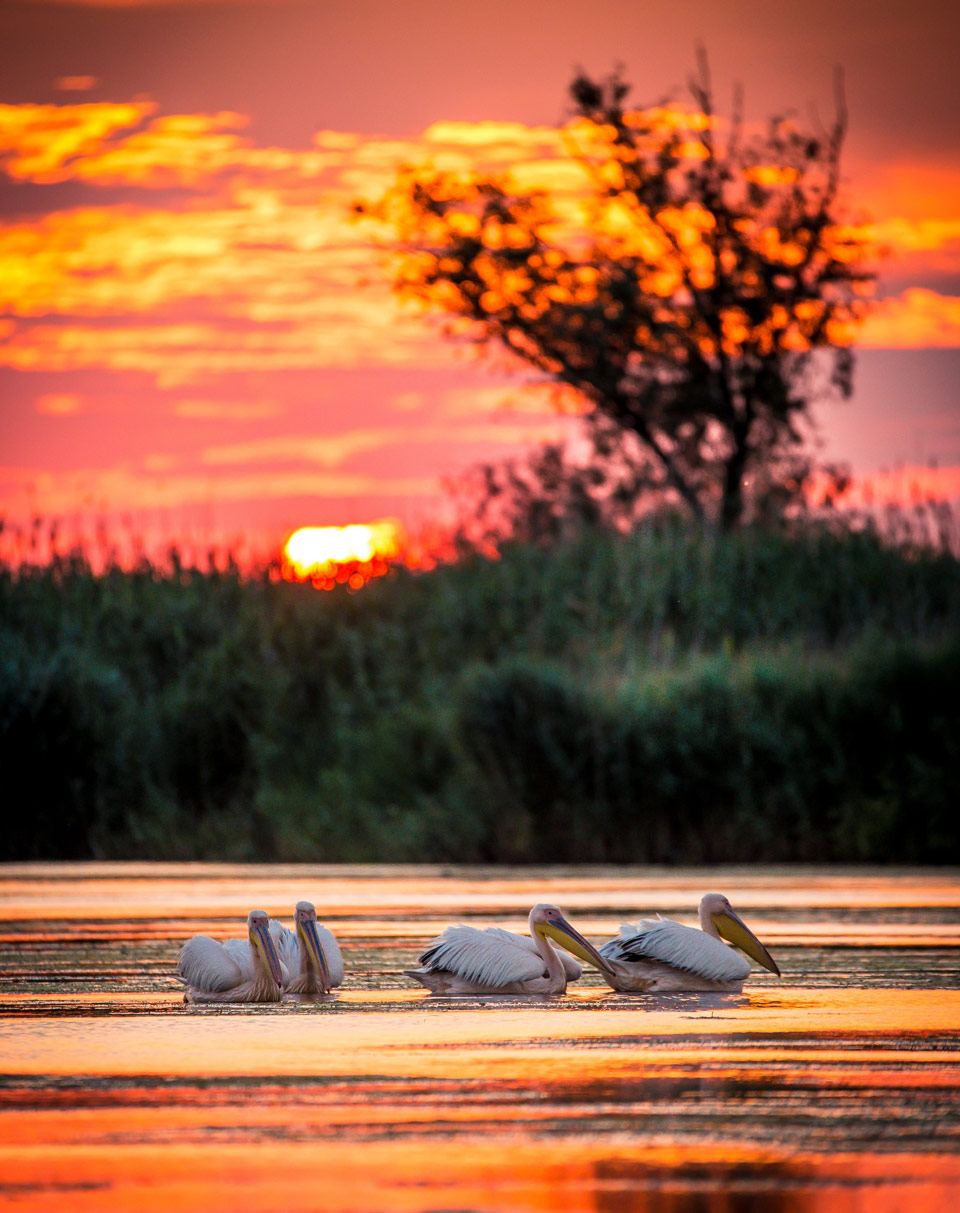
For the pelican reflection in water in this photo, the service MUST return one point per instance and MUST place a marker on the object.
(235, 971)
(471, 960)
(659, 954)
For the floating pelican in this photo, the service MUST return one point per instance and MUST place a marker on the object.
(234, 971)
(468, 960)
(660, 954)
(309, 954)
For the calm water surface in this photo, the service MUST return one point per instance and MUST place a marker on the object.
(832, 1089)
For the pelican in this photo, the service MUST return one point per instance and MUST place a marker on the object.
(309, 954)
(660, 954)
(468, 960)
(232, 972)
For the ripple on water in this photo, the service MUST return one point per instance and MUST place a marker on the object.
(833, 1089)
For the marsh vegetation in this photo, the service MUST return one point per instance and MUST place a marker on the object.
(669, 695)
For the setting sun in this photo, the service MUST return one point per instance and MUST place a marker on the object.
(328, 554)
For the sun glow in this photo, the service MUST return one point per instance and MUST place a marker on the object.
(328, 555)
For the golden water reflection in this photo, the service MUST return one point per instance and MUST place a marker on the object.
(834, 1089)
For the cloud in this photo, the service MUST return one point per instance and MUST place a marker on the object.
(194, 352)
(509, 141)
(264, 268)
(531, 398)
(916, 319)
(917, 235)
(239, 257)
(59, 404)
(107, 143)
(326, 451)
(334, 450)
(75, 84)
(408, 402)
(40, 142)
(224, 263)
(913, 190)
(158, 486)
(227, 410)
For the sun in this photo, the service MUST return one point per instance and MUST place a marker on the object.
(328, 555)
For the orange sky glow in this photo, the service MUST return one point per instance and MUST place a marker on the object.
(199, 344)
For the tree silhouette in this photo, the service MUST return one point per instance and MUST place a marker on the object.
(699, 299)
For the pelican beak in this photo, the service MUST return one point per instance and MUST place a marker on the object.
(308, 932)
(263, 942)
(733, 928)
(570, 938)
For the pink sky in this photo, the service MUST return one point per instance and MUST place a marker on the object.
(196, 340)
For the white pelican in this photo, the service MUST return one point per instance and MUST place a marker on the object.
(469, 960)
(660, 954)
(232, 972)
(309, 954)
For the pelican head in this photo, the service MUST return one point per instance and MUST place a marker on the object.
(305, 916)
(258, 925)
(549, 922)
(716, 909)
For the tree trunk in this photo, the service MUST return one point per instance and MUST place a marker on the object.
(732, 503)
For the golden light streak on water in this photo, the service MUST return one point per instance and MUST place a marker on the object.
(298, 1040)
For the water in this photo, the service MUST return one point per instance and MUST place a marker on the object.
(832, 1089)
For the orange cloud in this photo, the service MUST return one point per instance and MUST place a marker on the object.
(255, 267)
(409, 402)
(49, 143)
(38, 142)
(263, 271)
(329, 450)
(528, 399)
(917, 192)
(179, 353)
(265, 247)
(226, 410)
(916, 235)
(75, 84)
(500, 141)
(157, 487)
(59, 404)
(913, 247)
(916, 319)
(258, 247)
(333, 450)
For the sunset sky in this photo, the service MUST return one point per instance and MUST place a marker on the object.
(197, 343)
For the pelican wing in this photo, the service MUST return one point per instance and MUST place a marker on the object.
(685, 948)
(331, 954)
(239, 952)
(204, 964)
(491, 957)
(283, 940)
(571, 966)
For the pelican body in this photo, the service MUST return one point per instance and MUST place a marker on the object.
(236, 971)
(659, 954)
(471, 960)
(309, 954)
